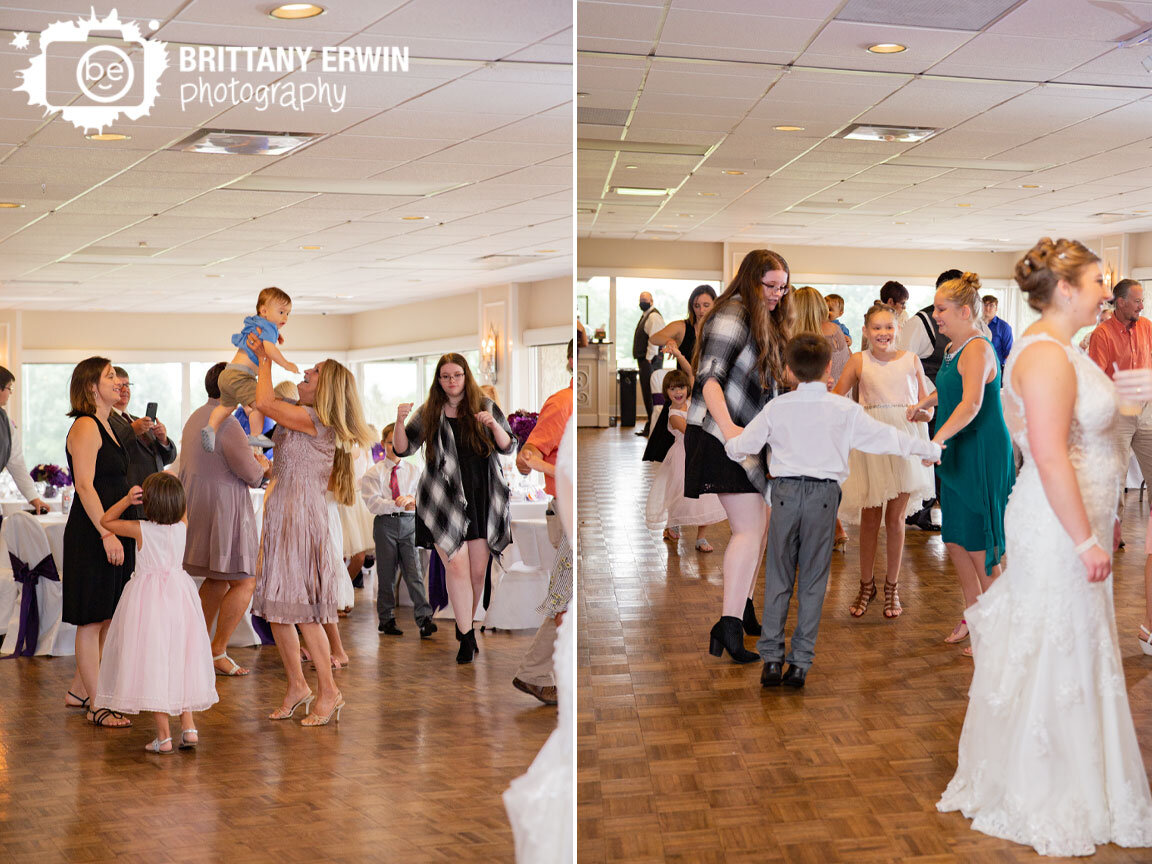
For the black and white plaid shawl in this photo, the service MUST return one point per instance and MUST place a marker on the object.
(440, 500)
(728, 356)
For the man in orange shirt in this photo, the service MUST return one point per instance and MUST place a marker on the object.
(535, 675)
(1122, 342)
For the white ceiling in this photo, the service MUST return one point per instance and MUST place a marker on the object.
(487, 102)
(1044, 90)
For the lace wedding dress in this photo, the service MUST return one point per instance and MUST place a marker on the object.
(1048, 755)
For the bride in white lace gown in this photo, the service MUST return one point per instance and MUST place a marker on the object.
(1048, 755)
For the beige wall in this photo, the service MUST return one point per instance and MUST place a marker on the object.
(656, 255)
(416, 322)
(106, 331)
(546, 304)
(883, 264)
(661, 255)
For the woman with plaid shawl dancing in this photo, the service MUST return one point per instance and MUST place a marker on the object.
(738, 362)
(462, 498)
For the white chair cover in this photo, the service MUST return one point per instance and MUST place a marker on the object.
(25, 538)
(523, 585)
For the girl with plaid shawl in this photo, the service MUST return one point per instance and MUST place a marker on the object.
(738, 363)
(462, 498)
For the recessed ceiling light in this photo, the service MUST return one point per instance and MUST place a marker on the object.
(108, 136)
(963, 205)
(585, 211)
(311, 248)
(887, 48)
(545, 251)
(10, 205)
(685, 215)
(733, 173)
(637, 190)
(413, 218)
(582, 94)
(296, 11)
(631, 167)
(345, 296)
(788, 128)
(708, 194)
(211, 275)
(1029, 185)
(899, 223)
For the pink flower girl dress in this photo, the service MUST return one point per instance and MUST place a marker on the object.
(157, 656)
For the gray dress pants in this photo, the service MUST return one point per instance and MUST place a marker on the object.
(799, 553)
(395, 537)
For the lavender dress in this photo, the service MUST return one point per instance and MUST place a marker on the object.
(296, 579)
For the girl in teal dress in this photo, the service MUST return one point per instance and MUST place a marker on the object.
(977, 470)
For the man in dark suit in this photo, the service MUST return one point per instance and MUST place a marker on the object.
(145, 441)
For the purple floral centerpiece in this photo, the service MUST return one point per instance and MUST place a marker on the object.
(522, 424)
(52, 476)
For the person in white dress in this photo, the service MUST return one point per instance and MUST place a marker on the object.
(1048, 755)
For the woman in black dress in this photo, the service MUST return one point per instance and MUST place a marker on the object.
(97, 564)
(738, 364)
(462, 499)
(679, 340)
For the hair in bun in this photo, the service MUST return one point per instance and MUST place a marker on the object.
(1047, 263)
(964, 291)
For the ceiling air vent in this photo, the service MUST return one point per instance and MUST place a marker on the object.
(971, 15)
(602, 116)
(888, 134)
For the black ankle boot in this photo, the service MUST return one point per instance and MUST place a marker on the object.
(467, 646)
(726, 634)
(751, 625)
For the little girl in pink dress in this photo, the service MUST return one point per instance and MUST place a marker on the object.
(157, 656)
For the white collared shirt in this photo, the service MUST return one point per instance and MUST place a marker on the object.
(375, 486)
(16, 467)
(811, 431)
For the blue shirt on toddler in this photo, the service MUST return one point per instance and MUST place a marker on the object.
(843, 329)
(265, 329)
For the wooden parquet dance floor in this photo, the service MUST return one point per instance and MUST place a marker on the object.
(413, 772)
(683, 757)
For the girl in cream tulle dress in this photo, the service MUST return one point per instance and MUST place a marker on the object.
(884, 488)
(157, 656)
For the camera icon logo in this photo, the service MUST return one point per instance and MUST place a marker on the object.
(95, 70)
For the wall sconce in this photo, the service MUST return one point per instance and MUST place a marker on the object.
(488, 354)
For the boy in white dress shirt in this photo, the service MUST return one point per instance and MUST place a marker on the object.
(810, 432)
(389, 491)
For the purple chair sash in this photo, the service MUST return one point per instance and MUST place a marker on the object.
(437, 583)
(263, 630)
(29, 633)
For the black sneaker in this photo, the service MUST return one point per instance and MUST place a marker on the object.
(390, 628)
(427, 628)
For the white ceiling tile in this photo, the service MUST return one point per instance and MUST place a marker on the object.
(843, 45)
(1019, 57)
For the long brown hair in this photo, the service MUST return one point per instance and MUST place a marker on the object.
(766, 326)
(470, 405)
(337, 405)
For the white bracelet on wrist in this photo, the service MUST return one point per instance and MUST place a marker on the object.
(1087, 544)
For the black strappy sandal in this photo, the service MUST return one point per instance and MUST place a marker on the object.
(101, 715)
(83, 702)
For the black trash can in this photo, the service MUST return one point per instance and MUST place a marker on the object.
(627, 396)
